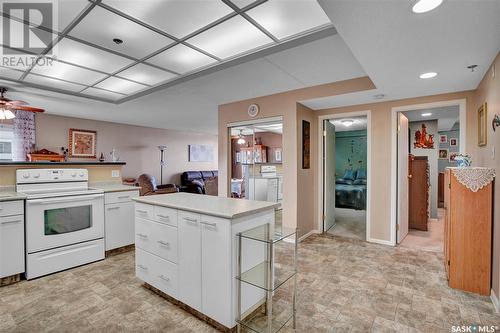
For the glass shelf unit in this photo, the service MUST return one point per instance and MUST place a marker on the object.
(270, 277)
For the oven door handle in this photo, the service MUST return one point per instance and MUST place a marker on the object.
(62, 199)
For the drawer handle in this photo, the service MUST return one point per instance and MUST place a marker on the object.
(142, 267)
(11, 222)
(167, 244)
(210, 224)
(164, 278)
(164, 216)
(113, 208)
(124, 197)
(190, 219)
(142, 235)
(142, 211)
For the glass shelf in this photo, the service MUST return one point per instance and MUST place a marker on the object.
(258, 324)
(264, 233)
(257, 276)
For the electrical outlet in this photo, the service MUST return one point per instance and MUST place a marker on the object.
(115, 173)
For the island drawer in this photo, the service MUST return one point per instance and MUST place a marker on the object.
(189, 217)
(157, 238)
(144, 211)
(156, 271)
(166, 215)
(116, 197)
(8, 208)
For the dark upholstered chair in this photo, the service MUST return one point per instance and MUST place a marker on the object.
(194, 181)
(149, 187)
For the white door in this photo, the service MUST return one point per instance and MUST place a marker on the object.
(403, 141)
(119, 225)
(329, 175)
(11, 245)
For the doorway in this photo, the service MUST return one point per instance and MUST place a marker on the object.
(345, 175)
(428, 138)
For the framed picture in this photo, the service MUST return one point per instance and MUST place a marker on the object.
(82, 143)
(238, 157)
(443, 138)
(306, 144)
(452, 157)
(443, 154)
(453, 142)
(278, 155)
(201, 153)
(482, 120)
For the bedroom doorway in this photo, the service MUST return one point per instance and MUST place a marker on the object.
(345, 175)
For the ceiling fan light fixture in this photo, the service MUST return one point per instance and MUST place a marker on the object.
(6, 114)
(347, 122)
(424, 6)
(241, 140)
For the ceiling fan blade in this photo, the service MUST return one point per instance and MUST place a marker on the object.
(17, 102)
(27, 108)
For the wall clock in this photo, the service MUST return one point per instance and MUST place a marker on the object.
(253, 110)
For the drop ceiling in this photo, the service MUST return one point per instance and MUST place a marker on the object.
(164, 41)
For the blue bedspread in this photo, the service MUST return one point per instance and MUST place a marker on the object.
(350, 196)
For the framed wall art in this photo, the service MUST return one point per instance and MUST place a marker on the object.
(82, 143)
(306, 144)
(482, 123)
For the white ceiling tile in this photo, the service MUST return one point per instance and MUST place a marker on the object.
(234, 36)
(90, 57)
(181, 59)
(54, 83)
(175, 17)
(102, 94)
(242, 3)
(284, 18)
(120, 85)
(146, 74)
(10, 73)
(67, 72)
(101, 26)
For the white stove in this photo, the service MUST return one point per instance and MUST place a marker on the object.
(64, 219)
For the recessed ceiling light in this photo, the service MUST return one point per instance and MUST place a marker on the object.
(117, 41)
(379, 96)
(347, 122)
(428, 114)
(423, 6)
(428, 75)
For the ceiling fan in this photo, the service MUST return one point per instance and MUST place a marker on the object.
(7, 106)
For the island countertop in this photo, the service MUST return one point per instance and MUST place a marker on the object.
(227, 208)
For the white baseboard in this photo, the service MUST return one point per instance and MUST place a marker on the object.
(380, 241)
(494, 300)
(312, 232)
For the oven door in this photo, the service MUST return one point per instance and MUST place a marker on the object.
(59, 221)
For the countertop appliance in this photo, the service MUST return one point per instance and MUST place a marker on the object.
(64, 219)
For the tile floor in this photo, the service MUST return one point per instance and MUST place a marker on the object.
(349, 223)
(430, 240)
(344, 286)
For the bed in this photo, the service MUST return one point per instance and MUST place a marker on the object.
(350, 190)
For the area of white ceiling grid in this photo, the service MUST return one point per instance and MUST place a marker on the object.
(163, 41)
(395, 45)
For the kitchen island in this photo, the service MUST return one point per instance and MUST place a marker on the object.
(186, 250)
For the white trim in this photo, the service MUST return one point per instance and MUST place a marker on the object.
(379, 241)
(310, 233)
(462, 104)
(494, 300)
(368, 115)
(255, 121)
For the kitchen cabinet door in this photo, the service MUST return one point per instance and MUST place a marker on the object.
(11, 245)
(119, 225)
(216, 268)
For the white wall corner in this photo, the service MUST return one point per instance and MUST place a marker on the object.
(494, 300)
(380, 241)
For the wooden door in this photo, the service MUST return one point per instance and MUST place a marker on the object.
(418, 193)
(441, 190)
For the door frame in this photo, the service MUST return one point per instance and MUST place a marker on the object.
(321, 177)
(462, 105)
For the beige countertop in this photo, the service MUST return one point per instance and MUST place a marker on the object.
(8, 193)
(113, 187)
(227, 208)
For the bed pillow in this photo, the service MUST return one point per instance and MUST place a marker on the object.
(360, 182)
(350, 174)
(361, 174)
(344, 181)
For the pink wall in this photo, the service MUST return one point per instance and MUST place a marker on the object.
(135, 145)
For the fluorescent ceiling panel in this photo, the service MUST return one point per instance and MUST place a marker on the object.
(120, 85)
(90, 57)
(102, 94)
(287, 18)
(242, 3)
(146, 74)
(233, 37)
(101, 26)
(54, 83)
(67, 72)
(10, 73)
(175, 17)
(181, 59)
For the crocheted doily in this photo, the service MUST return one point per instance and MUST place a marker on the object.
(474, 178)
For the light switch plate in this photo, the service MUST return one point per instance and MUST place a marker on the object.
(115, 173)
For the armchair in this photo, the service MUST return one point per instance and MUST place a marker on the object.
(149, 187)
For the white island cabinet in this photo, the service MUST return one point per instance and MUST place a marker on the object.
(186, 247)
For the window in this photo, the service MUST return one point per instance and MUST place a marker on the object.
(6, 141)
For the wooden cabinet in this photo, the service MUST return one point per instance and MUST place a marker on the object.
(418, 194)
(467, 238)
(11, 238)
(119, 219)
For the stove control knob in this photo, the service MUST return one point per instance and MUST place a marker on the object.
(73, 174)
(26, 175)
(82, 174)
(36, 175)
